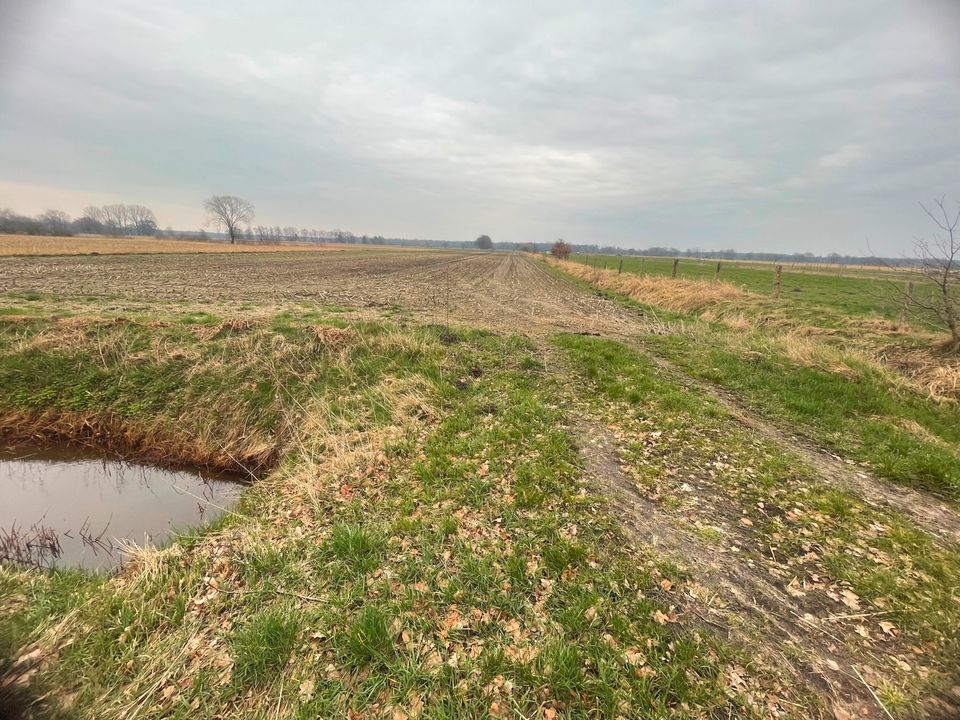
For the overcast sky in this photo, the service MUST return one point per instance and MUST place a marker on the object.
(756, 125)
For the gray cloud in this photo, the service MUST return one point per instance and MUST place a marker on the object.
(785, 125)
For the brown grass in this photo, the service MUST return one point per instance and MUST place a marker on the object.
(42, 245)
(931, 372)
(159, 442)
(676, 295)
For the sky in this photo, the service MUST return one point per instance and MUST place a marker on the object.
(765, 125)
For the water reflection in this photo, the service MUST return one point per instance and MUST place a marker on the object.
(61, 508)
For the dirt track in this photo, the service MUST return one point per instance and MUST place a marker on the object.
(503, 291)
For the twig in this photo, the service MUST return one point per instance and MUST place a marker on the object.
(856, 615)
(879, 701)
(286, 593)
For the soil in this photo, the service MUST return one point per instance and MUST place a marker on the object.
(498, 291)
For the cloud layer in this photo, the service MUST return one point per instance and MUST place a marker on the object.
(781, 126)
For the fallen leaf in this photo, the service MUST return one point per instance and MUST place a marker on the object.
(307, 688)
(850, 599)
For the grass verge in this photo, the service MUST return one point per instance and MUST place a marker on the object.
(424, 546)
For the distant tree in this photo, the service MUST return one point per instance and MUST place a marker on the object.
(560, 249)
(484, 242)
(228, 212)
(88, 225)
(939, 262)
(56, 222)
(94, 213)
(141, 220)
(116, 218)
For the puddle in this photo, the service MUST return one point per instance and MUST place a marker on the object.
(59, 508)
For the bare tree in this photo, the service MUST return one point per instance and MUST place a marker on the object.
(117, 218)
(484, 242)
(228, 212)
(940, 266)
(56, 222)
(95, 213)
(141, 220)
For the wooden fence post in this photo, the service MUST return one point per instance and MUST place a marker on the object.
(716, 275)
(907, 299)
(620, 269)
(776, 281)
(676, 262)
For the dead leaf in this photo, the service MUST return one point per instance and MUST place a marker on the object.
(307, 688)
(850, 599)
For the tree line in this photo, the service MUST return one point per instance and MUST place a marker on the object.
(116, 219)
(234, 215)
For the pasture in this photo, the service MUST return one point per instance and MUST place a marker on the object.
(805, 288)
(485, 485)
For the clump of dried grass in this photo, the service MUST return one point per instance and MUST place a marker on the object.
(803, 349)
(332, 338)
(672, 294)
(205, 333)
(929, 371)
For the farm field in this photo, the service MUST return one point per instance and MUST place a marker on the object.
(847, 290)
(490, 486)
(51, 245)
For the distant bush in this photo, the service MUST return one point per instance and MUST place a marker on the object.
(560, 250)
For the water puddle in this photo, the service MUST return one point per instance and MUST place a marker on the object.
(59, 508)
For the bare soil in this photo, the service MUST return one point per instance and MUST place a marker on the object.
(499, 291)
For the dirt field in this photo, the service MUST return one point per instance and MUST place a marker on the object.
(42, 245)
(498, 291)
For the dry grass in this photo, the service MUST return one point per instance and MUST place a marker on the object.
(803, 349)
(931, 372)
(676, 295)
(159, 442)
(42, 245)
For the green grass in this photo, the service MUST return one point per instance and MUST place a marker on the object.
(262, 647)
(914, 582)
(424, 542)
(861, 417)
(456, 563)
(805, 293)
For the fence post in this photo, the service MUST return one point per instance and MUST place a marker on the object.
(676, 262)
(716, 275)
(776, 281)
(620, 269)
(907, 299)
